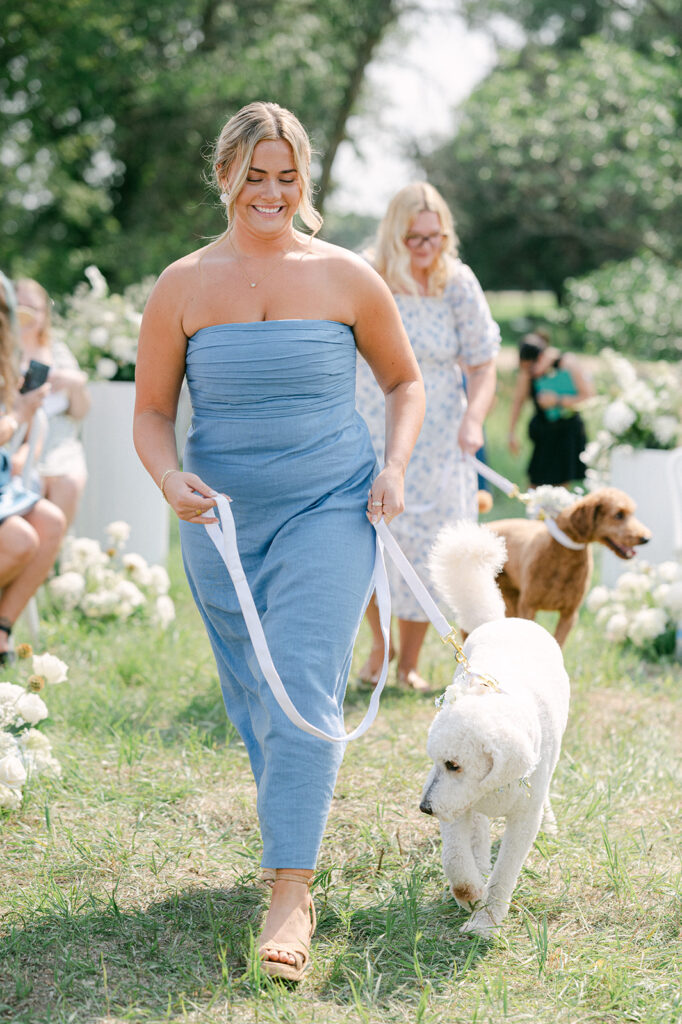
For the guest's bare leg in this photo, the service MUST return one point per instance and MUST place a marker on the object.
(48, 522)
(411, 639)
(65, 492)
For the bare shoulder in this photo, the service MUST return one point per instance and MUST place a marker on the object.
(348, 266)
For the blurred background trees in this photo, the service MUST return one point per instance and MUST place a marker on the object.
(106, 109)
(562, 164)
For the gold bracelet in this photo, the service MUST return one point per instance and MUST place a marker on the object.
(164, 478)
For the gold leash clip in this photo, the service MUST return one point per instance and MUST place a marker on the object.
(461, 659)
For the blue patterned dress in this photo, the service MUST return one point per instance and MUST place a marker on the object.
(439, 486)
(274, 426)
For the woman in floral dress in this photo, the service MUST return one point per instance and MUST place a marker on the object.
(452, 333)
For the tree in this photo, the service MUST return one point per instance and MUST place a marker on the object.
(637, 23)
(106, 111)
(564, 161)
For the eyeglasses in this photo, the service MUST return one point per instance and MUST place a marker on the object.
(416, 241)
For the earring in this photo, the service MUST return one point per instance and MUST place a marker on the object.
(225, 198)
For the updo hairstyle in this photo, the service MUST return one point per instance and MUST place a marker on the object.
(262, 122)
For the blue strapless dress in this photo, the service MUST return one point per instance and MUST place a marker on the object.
(274, 426)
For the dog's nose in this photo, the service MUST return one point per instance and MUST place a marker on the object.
(425, 807)
(644, 540)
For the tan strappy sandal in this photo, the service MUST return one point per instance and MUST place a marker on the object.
(286, 941)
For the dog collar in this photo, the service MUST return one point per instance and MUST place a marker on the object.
(561, 537)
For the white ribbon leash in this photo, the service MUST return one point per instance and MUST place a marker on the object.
(225, 540)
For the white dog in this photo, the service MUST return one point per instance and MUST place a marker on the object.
(494, 751)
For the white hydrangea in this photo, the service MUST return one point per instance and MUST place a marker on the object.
(67, 588)
(633, 584)
(164, 611)
(666, 429)
(129, 593)
(37, 753)
(99, 604)
(646, 624)
(106, 368)
(598, 596)
(9, 798)
(80, 554)
(12, 771)
(32, 708)
(138, 569)
(159, 579)
(668, 572)
(8, 744)
(53, 669)
(672, 601)
(619, 417)
(616, 627)
(118, 532)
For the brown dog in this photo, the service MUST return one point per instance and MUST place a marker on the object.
(542, 574)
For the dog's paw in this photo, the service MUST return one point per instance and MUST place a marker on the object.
(481, 923)
(467, 895)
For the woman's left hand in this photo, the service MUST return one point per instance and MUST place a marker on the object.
(470, 437)
(547, 399)
(387, 496)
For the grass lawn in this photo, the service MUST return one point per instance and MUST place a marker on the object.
(129, 885)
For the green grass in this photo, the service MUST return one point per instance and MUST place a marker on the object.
(128, 885)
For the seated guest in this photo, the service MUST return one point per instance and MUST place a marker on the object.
(62, 462)
(29, 541)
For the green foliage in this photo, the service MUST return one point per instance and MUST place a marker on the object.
(561, 162)
(637, 21)
(634, 306)
(106, 113)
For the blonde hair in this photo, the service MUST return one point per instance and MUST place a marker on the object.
(263, 122)
(391, 255)
(8, 348)
(29, 282)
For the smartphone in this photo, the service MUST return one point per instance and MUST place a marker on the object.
(35, 376)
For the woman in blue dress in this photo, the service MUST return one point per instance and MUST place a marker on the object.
(265, 323)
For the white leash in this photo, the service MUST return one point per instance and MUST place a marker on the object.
(512, 491)
(225, 540)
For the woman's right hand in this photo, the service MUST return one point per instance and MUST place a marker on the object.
(181, 489)
(25, 405)
(387, 495)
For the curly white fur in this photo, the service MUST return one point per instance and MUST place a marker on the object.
(464, 561)
(493, 753)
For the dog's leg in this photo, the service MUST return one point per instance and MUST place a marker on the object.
(459, 865)
(548, 820)
(517, 840)
(564, 626)
(525, 610)
(480, 843)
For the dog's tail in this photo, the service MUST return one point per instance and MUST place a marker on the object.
(464, 561)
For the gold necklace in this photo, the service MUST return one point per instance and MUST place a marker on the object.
(251, 283)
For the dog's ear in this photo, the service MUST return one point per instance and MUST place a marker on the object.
(583, 517)
(513, 758)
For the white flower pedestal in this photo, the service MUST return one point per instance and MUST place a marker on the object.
(643, 474)
(119, 486)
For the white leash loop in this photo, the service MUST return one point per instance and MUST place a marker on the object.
(225, 540)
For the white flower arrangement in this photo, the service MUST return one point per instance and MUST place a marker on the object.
(25, 751)
(549, 501)
(643, 608)
(110, 584)
(640, 412)
(101, 329)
